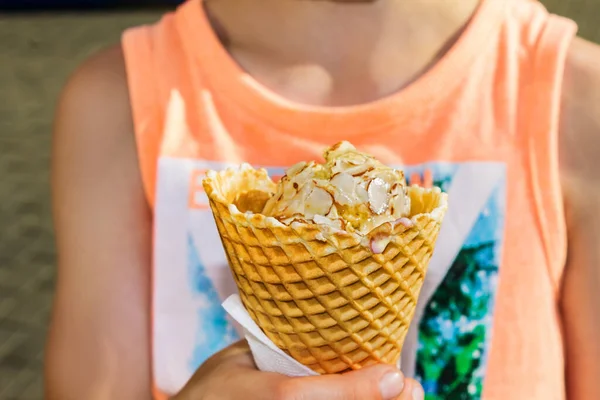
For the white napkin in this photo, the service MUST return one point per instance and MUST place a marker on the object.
(267, 356)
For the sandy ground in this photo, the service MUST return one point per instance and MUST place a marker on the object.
(37, 52)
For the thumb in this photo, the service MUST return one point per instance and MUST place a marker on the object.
(381, 382)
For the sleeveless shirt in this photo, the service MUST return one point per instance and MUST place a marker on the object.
(482, 124)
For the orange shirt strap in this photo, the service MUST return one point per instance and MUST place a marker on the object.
(541, 120)
(137, 48)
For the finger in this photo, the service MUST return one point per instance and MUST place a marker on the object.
(378, 383)
(235, 376)
(412, 390)
(239, 378)
(238, 353)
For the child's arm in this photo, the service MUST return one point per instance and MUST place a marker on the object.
(580, 158)
(98, 345)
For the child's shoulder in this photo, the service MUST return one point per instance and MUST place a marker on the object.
(582, 72)
(94, 106)
(580, 116)
(93, 122)
(99, 83)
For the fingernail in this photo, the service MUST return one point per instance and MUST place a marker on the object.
(391, 385)
(418, 393)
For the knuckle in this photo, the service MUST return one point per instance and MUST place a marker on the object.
(413, 383)
(287, 389)
(359, 390)
(354, 392)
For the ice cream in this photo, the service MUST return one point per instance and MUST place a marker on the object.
(351, 191)
(329, 262)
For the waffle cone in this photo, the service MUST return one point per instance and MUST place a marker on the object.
(322, 295)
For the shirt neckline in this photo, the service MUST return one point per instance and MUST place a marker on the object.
(225, 76)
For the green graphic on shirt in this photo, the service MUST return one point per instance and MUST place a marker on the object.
(455, 332)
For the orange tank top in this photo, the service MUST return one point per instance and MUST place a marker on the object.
(482, 124)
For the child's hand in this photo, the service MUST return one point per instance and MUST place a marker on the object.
(231, 374)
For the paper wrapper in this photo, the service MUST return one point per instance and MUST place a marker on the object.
(333, 301)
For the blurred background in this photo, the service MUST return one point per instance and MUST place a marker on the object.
(41, 42)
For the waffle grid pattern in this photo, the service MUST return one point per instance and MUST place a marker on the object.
(333, 306)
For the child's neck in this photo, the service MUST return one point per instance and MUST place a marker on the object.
(338, 52)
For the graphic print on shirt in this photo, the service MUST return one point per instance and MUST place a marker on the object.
(448, 343)
(214, 330)
(455, 309)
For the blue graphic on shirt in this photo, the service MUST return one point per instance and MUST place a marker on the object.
(215, 331)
